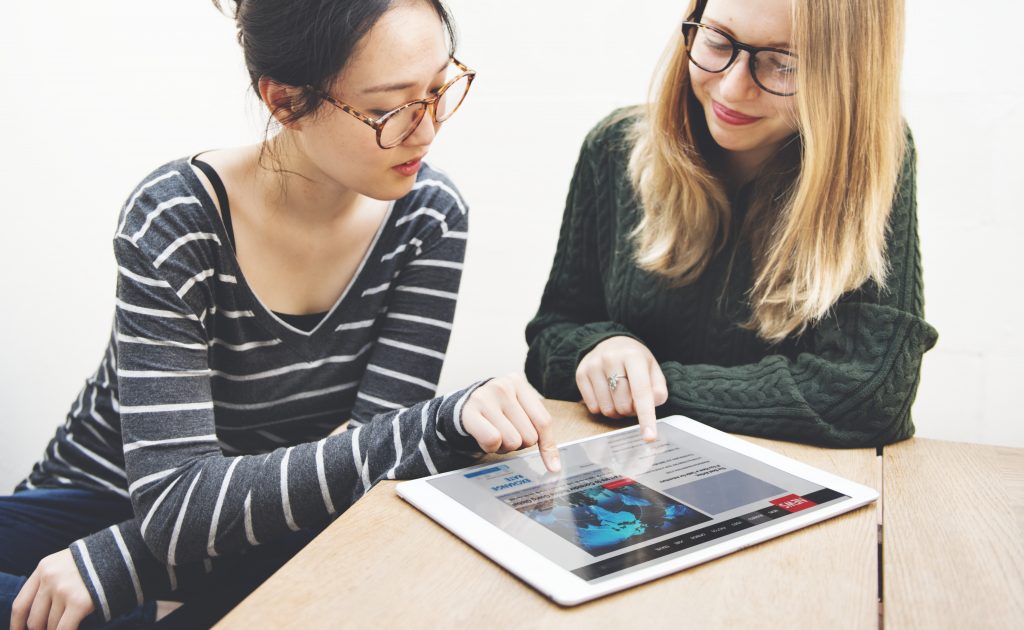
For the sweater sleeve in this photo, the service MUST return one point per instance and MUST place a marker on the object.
(192, 503)
(852, 383)
(409, 351)
(572, 317)
(856, 378)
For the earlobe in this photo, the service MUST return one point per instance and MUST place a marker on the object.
(283, 101)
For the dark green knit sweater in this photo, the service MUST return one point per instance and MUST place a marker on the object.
(847, 381)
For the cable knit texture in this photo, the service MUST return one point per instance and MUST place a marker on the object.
(848, 381)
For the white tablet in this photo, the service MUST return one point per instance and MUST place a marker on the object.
(623, 512)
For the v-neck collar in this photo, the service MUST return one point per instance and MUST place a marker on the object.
(263, 314)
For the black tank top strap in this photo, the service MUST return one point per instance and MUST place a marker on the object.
(222, 197)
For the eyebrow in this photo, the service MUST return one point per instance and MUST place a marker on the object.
(728, 30)
(394, 87)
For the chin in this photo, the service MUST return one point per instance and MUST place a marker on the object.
(392, 191)
(744, 139)
(733, 140)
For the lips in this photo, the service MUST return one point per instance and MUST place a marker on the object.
(409, 168)
(731, 116)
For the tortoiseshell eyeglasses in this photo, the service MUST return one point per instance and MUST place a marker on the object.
(398, 124)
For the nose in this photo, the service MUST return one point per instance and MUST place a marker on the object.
(737, 84)
(424, 133)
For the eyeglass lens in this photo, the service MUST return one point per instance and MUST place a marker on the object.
(403, 123)
(774, 71)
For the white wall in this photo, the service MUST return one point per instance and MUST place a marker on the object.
(94, 95)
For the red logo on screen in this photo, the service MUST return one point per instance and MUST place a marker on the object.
(793, 503)
(618, 483)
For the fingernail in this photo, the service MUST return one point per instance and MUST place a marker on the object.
(650, 435)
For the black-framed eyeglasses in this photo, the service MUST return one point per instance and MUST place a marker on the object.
(774, 70)
(398, 124)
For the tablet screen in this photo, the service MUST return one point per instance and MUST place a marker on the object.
(621, 503)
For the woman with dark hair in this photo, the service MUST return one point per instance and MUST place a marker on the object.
(265, 295)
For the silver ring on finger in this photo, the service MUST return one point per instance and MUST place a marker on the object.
(613, 381)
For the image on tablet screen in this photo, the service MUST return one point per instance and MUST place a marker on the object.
(601, 511)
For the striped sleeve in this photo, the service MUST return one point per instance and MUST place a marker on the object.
(214, 505)
(406, 360)
(192, 502)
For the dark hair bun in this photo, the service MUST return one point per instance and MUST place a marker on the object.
(308, 42)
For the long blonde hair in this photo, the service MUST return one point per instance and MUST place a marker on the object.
(820, 210)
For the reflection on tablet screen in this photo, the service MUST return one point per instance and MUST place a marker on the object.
(620, 503)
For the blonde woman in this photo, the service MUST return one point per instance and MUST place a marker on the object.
(744, 250)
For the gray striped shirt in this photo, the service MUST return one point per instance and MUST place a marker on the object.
(211, 414)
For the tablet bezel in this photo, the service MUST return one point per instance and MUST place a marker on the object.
(567, 589)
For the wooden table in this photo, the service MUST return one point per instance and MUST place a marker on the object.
(951, 558)
(953, 536)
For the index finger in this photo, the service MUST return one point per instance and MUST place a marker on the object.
(531, 403)
(643, 397)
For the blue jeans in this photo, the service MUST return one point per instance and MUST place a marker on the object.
(36, 523)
